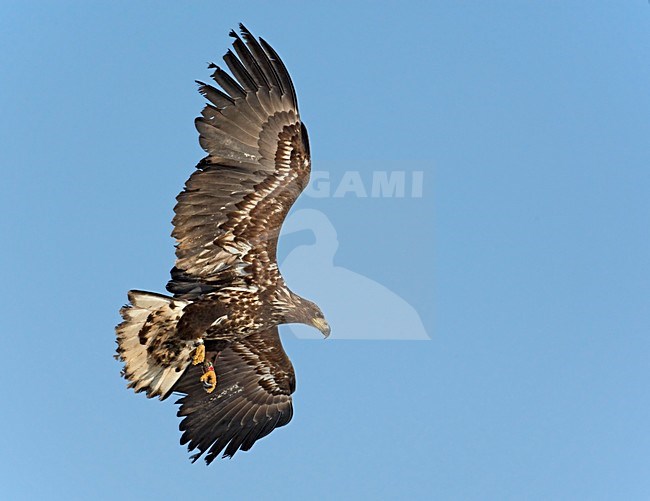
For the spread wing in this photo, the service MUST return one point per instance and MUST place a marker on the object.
(230, 213)
(255, 380)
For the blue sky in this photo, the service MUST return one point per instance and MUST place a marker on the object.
(526, 259)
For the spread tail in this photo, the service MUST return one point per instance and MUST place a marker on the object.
(154, 357)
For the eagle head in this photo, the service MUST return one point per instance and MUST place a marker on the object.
(306, 312)
(318, 321)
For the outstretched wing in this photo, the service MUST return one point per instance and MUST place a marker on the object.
(230, 213)
(255, 380)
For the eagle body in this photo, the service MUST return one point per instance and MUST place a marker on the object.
(227, 294)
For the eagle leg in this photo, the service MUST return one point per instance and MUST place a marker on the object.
(209, 377)
(199, 354)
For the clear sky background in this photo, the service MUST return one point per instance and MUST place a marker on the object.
(527, 257)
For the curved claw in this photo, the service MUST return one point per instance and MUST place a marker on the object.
(209, 379)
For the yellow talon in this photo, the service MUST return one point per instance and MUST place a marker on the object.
(199, 355)
(209, 379)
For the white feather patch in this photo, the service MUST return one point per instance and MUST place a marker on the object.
(143, 372)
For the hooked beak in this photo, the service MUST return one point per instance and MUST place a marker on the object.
(322, 325)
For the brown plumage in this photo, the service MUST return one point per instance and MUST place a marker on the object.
(228, 294)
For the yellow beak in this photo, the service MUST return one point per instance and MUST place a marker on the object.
(322, 325)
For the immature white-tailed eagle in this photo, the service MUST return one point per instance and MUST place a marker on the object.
(216, 340)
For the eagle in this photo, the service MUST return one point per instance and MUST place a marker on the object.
(215, 339)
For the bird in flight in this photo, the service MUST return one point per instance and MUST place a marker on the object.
(215, 339)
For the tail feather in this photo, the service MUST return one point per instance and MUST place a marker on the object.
(154, 356)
